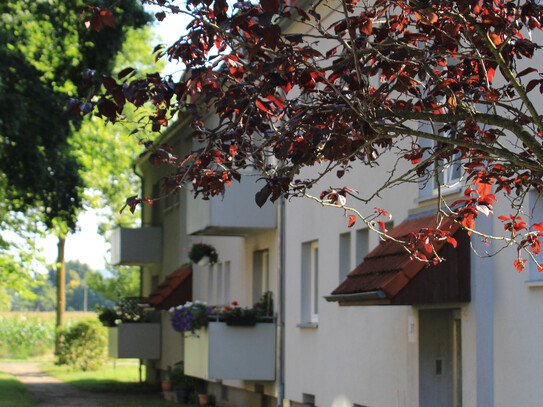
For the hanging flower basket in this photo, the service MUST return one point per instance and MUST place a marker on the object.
(201, 252)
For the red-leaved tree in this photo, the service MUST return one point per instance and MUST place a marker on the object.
(347, 83)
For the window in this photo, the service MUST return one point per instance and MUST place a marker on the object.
(226, 285)
(449, 172)
(344, 255)
(219, 297)
(362, 245)
(210, 284)
(310, 282)
(261, 274)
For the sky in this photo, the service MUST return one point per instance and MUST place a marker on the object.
(86, 245)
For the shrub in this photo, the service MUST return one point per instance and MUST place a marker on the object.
(83, 345)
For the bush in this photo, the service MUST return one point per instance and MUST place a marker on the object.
(83, 346)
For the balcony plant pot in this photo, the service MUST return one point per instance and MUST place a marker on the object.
(166, 385)
(203, 262)
(204, 399)
(241, 321)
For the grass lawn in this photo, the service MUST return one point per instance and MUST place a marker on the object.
(144, 404)
(119, 378)
(13, 393)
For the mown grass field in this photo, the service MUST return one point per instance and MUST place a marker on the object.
(31, 335)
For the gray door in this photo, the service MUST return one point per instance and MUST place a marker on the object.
(439, 359)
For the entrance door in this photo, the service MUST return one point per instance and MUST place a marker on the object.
(440, 359)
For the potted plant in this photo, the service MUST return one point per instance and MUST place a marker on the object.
(181, 383)
(190, 317)
(202, 252)
(107, 316)
(126, 310)
(237, 316)
(204, 399)
(265, 305)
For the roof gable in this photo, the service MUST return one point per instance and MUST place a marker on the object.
(390, 275)
(175, 290)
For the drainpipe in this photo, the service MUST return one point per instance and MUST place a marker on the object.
(281, 310)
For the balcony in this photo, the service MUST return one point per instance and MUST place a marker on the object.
(134, 341)
(231, 352)
(235, 214)
(134, 247)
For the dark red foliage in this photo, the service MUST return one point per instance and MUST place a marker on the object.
(344, 92)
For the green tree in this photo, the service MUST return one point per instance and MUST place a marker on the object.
(5, 300)
(123, 282)
(45, 49)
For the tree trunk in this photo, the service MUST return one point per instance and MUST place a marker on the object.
(61, 290)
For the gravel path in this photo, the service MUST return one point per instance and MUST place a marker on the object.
(51, 392)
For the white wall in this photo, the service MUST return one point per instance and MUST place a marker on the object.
(357, 353)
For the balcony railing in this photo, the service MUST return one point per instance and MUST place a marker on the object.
(134, 247)
(224, 352)
(139, 340)
(234, 214)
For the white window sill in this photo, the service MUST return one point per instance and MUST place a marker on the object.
(448, 193)
(308, 325)
(534, 283)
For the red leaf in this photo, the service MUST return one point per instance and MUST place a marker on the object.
(526, 72)
(519, 265)
(452, 241)
(382, 225)
(262, 196)
(468, 222)
(125, 72)
(483, 189)
(262, 106)
(536, 226)
(532, 84)
(366, 27)
(490, 73)
(352, 221)
(495, 39)
(106, 16)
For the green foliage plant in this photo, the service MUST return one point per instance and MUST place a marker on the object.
(236, 315)
(178, 378)
(107, 316)
(200, 250)
(83, 346)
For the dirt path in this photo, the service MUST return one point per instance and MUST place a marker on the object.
(51, 392)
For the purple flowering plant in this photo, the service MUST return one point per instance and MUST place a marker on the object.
(190, 317)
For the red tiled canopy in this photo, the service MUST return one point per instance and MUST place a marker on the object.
(175, 290)
(389, 275)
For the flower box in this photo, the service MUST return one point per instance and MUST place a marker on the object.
(224, 352)
(134, 340)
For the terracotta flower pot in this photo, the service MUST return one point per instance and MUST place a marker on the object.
(166, 385)
(204, 399)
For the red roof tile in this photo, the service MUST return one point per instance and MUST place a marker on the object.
(175, 290)
(389, 267)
